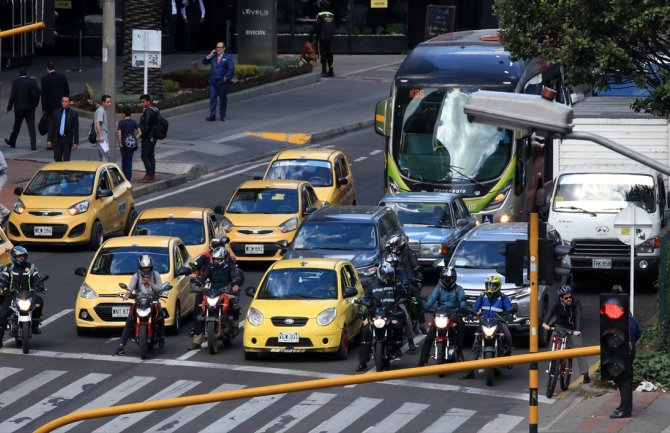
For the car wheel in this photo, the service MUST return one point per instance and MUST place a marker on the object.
(97, 236)
(132, 216)
(176, 325)
(343, 351)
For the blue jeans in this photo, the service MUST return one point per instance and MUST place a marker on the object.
(218, 90)
(127, 163)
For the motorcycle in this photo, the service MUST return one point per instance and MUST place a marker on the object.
(217, 314)
(446, 348)
(146, 319)
(20, 320)
(386, 328)
(492, 342)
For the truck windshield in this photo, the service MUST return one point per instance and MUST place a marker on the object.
(603, 192)
(437, 143)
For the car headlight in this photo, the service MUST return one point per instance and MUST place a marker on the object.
(19, 207)
(23, 304)
(212, 301)
(367, 270)
(289, 225)
(524, 291)
(227, 224)
(254, 316)
(78, 208)
(433, 249)
(87, 292)
(489, 330)
(648, 246)
(499, 199)
(325, 317)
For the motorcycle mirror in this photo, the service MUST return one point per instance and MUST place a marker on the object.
(167, 286)
(123, 286)
(183, 270)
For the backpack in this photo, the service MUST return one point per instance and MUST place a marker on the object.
(130, 142)
(161, 127)
(92, 134)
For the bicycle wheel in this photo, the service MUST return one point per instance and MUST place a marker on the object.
(566, 373)
(552, 378)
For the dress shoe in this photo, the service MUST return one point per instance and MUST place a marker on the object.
(223, 119)
(194, 346)
(150, 178)
(330, 73)
(9, 144)
(210, 119)
(620, 414)
(33, 147)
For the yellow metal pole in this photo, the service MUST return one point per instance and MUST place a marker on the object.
(315, 384)
(22, 29)
(532, 373)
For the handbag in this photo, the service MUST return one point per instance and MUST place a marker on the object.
(43, 125)
(92, 134)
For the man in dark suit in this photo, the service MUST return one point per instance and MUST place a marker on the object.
(24, 99)
(54, 87)
(63, 131)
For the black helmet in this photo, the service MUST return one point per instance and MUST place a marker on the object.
(448, 277)
(395, 243)
(17, 252)
(386, 272)
(392, 259)
(145, 264)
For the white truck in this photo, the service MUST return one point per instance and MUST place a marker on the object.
(584, 203)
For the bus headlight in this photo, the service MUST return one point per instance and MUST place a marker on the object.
(499, 198)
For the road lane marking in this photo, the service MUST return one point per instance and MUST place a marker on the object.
(46, 321)
(60, 397)
(501, 424)
(240, 414)
(5, 372)
(29, 385)
(344, 418)
(374, 152)
(297, 413)
(361, 158)
(123, 422)
(450, 421)
(398, 419)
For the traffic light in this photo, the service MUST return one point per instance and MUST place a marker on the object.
(516, 257)
(614, 337)
(552, 264)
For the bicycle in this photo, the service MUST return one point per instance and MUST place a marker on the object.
(559, 367)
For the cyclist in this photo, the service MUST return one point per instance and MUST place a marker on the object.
(568, 311)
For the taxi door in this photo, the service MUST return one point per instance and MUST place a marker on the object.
(348, 279)
(182, 282)
(5, 249)
(104, 204)
(123, 197)
(345, 191)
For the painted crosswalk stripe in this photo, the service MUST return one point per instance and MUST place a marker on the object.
(297, 413)
(27, 386)
(5, 372)
(240, 414)
(51, 402)
(501, 424)
(120, 423)
(347, 416)
(450, 421)
(111, 397)
(189, 413)
(398, 419)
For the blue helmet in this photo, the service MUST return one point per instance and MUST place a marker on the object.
(564, 290)
(18, 251)
(386, 272)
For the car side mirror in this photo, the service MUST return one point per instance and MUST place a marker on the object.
(219, 210)
(19, 190)
(258, 177)
(183, 270)
(350, 292)
(309, 210)
(80, 271)
(104, 192)
(282, 244)
(250, 291)
(461, 222)
(342, 181)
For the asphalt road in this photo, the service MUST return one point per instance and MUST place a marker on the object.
(65, 373)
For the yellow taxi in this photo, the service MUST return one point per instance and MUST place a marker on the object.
(5, 249)
(326, 169)
(98, 305)
(262, 212)
(72, 202)
(195, 226)
(304, 305)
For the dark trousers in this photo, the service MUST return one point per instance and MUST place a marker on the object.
(191, 34)
(220, 91)
(148, 156)
(326, 54)
(62, 149)
(430, 338)
(29, 116)
(127, 163)
(625, 385)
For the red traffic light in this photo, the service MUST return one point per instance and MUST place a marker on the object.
(612, 311)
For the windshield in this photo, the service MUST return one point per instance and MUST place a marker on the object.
(422, 214)
(318, 173)
(479, 255)
(262, 200)
(336, 236)
(123, 260)
(604, 192)
(61, 183)
(190, 230)
(299, 284)
(437, 143)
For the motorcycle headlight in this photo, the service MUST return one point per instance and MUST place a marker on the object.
(23, 304)
(367, 270)
(326, 316)
(441, 321)
(254, 317)
(489, 330)
(19, 207)
(227, 224)
(87, 292)
(289, 225)
(78, 208)
(212, 301)
(379, 322)
(143, 312)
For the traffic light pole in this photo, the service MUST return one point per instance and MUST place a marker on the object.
(533, 332)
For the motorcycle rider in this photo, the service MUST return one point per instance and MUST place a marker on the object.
(568, 311)
(385, 291)
(145, 281)
(409, 272)
(490, 303)
(220, 273)
(17, 276)
(450, 295)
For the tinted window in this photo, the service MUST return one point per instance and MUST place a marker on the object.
(423, 214)
(479, 255)
(335, 236)
(189, 230)
(270, 201)
(61, 183)
(123, 260)
(299, 284)
(117, 178)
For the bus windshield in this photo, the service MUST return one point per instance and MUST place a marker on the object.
(437, 143)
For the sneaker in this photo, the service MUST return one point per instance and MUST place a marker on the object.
(362, 366)
(412, 346)
(587, 379)
(36, 329)
(120, 351)
(469, 375)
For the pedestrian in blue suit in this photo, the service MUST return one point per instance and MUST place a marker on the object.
(222, 69)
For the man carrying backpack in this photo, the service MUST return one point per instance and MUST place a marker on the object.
(148, 123)
(127, 133)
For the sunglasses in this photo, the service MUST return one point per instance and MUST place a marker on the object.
(567, 297)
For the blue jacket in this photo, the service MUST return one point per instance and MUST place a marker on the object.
(220, 70)
(490, 307)
(452, 299)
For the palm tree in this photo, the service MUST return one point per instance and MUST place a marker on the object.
(145, 15)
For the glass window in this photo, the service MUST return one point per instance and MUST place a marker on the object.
(123, 260)
(335, 236)
(103, 183)
(61, 183)
(351, 275)
(269, 201)
(189, 230)
(479, 255)
(117, 179)
(299, 284)
(422, 213)
(316, 172)
(312, 196)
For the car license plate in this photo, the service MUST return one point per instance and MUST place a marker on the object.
(254, 249)
(42, 230)
(120, 311)
(288, 337)
(602, 263)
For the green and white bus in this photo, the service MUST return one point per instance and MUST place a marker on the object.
(430, 144)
